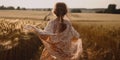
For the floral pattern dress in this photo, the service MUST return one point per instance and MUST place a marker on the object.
(64, 46)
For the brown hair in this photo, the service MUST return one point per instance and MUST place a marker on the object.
(60, 11)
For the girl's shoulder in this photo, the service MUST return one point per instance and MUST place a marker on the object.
(51, 22)
(68, 22)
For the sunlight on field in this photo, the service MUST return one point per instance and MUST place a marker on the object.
(101, 40)
(39, 15)
(100, 34)
(35, 15)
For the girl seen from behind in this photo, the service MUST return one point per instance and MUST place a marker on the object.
(61, 40)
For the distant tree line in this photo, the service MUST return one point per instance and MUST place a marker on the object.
(41, 9)
(111, 9)
(75, 10)
(11, 8)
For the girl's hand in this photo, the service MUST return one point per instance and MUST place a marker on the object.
(29, 28)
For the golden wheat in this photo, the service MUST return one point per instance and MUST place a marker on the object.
(100, 35)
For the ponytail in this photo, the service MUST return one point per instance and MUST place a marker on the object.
(61, 19)
(60, 11)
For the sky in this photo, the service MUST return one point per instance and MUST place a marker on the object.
(50, 3)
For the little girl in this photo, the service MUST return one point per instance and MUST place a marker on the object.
(60, 39)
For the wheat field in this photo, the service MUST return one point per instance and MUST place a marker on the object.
(100, 34)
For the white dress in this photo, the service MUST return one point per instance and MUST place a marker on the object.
(64, 46)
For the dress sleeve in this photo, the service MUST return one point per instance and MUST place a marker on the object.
(48, 31)
(73, 31)
(49, 27)
(43, 34)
